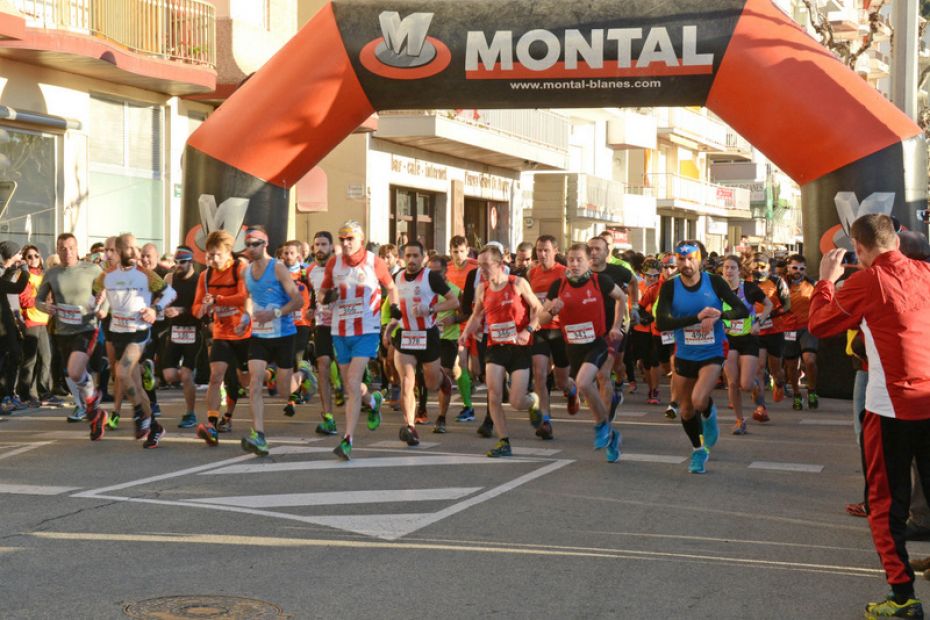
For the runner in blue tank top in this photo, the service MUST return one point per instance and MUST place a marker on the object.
(273, 297)
(691, 304)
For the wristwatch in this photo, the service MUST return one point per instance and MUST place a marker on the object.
(277, 313)
(530, 329)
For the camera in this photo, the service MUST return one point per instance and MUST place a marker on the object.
(850, 258)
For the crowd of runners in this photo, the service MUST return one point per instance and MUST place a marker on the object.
(366, 327)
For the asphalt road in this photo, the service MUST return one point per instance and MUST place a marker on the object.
(89, 530)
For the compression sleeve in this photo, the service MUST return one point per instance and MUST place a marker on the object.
(738, 309)
(438, 284)
(665, 322)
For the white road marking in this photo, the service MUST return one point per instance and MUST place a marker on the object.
(801, 467)
(264, 467)
(34, 489)
(20, 448)
(424, 445)
(341, 497)
(174, 436)
(632, 414)
(521, 451)
(279, 450)
(821, 422)
(653, 458)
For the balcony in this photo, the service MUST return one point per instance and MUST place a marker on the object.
(512, 139)
(12, 23)
(163, 45)
(691, 129)
(588, 198)
(631, 131)
(847, 22)
(737, 148)
(675, 192)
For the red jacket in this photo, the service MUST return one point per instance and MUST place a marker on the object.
(890, 304)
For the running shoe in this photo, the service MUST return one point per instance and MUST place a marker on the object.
(740, 427)
(374, 413)
(798, 404)
(112, 421)
(601, 435)
(709, 428)
(225, 425)
(155, 434)
(142, 426)
(92, 403)
(188, 421)
(78, 414)
(98, 424)
(209, 434)
(310, 385)
(888, 608)
(440, 427)
(339, 398)
(156, 410)
(653, 398)
(778, 393)
(327, 426)
(812, 401)
(52, 401)
(487, 428)
(613, 446)
(421, 418)
(573, 403)
(502, 448)
(615, 402)
(859, 510)
(466, 415)
(671, 412)
(289, 409)
(545, 431)
(409, 434)
(760, 414)
(698, 461)
(148, 375)
(633, 387)
(255, 443)
(16, 404)
(344, 450)
(535, 414)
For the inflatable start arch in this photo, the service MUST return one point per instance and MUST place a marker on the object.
(849, 149)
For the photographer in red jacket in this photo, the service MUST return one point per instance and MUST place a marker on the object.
(888, 301)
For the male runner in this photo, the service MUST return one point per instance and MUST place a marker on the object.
(352, 283)
(457, 273)
(274, 299)
(322, 336)
(771, 334)
(800, 344)
(581, 300)
(136, 296)
(523, 259)
(691, 305)
(221, 294)
(549, 343)
(510, 309)
(303, 383)
(184, 338)
(74, 311)
(417, 340)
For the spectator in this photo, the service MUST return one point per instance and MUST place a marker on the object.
(14, 276)
(34, 374)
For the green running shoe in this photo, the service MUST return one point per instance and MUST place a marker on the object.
(798, 404)
(888, 608)
(374, 413)
(327, 426)
(344, 450)
(339, 398)
(501, 449)
(148, 375)
(113, 422)
(255, 443)
(812, 401)
(535, 414)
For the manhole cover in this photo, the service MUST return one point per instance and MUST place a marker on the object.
(204, 608)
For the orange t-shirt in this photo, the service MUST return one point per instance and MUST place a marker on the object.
(229, 292)
(801, 294)
(457, 275)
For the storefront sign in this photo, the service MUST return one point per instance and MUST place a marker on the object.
(418, 168)
(487, 185)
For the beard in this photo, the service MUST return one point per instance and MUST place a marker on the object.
(126, 259)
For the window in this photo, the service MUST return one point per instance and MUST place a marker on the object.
(28, 188)
(254, 12)
(126, 188)
(412, 215)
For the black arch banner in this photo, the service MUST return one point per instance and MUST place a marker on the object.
(850, 149)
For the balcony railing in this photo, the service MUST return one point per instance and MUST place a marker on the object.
(691, 124)
(181, 30)
(700, 193)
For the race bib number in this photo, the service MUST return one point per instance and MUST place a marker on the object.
(503, 332)
(263, 329)
(668, 337)
(791, 336)
(70, 315)
(696, 338)
(350, 310)
(297, 315)
(766, 324)
(580, 333)
(183, 334)
(737, 326)
(122, 322)
(413, 341)
(223, 312)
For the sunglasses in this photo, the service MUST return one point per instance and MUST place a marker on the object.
(797, 268)
(667, 267)
(254, 244)
(182, 261)
(761, 265)
(346, 238)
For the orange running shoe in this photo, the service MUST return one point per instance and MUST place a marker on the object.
(760, 414)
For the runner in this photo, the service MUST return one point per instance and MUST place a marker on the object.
(742, 335)
(322, 324)
(801, 345)
(136, 296)
(581, 300)
(303, 383)
(184, 338)
(459, 268)
(522, 259)
(511, 323)
(274, 299)
(221, 295)
(352, 283)
(691, 305)
(642, 347)
(448, 322)
(771, 335)
(417, 340)
(74, 313)
(664, 342)
(548, 343)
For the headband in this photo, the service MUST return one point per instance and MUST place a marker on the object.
(351, 229)
(259, 234)
(182, 255)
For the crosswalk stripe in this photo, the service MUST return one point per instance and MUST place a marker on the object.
(34, 489)
(799, 467)
(821, 422)
(342, 497)
(521, 451)
(396, 443)
(19, 448)
(395, 461)
(652, 458)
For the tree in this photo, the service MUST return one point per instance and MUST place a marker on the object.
(848, 51)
